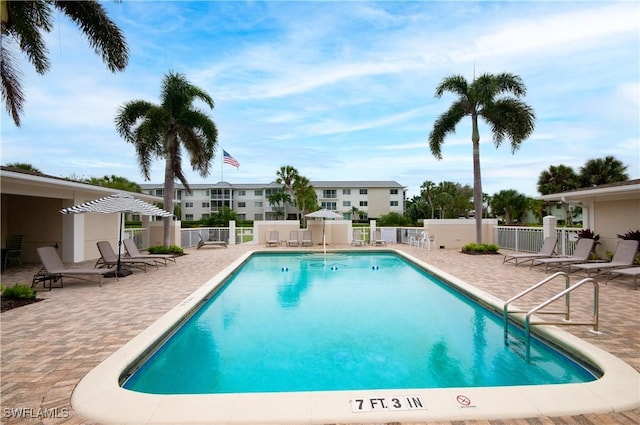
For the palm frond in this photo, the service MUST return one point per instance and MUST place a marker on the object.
(12, 93)
(456, 84)
(26, 21)
(102, 33)
(445, 125)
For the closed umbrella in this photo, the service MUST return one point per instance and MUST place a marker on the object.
(118, 203)
(324, 214)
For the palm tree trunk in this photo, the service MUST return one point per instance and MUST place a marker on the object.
(169, 186)
(477, 180)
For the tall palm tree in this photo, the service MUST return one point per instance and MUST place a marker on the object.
(23, 24)
(162, 131)
(286, 176)
(305, 195)
(426, 190)
(487, 97)
(602, 171)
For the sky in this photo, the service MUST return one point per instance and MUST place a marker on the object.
(342, 90)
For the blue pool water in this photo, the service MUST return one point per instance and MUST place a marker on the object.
(305, 322)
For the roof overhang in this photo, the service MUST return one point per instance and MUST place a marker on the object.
(610, 193)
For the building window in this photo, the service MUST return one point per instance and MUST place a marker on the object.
(328, 205)
(257, 217)
(257, 204)
(188, 204)
(393, 203)
(364, 191)
(346, 191)
(257, 192)
(242, 204)
(241, 193)
(329, 194)
(205, 205)
(188, 216)
(394, 191)
(205, 216)
(346, 203)
(364, 203)
(159, 192)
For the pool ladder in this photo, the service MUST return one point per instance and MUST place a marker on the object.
(528, 322)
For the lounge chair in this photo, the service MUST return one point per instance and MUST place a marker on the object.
(580, 255)
(357, 240)
(631, 271)
(623, 257)
(132, 252)
(12, 250)
(202, 242)
(293, 238)
(108, 258)
(307, 239)
(546, 251)
(273, 239)
(377, 238)
(53, 269)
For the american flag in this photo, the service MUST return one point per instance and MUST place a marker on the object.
(228, 159)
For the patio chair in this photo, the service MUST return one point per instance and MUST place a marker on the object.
(547, 250)
(202, 242)
(108, 258)
(132, 252)
(631, 271)
(357, 240)
(293, 238)
(307, 239)
(273, 239)
(623, 257)
(53, 269)
(580, 255)
(377, 238)
(13, 249)
(430, 240)
(417, 241)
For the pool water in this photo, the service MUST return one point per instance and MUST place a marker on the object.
(308, 322)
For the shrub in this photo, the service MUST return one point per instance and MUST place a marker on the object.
(480, 248)
(18, 291)
(160, 249)
(632, 235)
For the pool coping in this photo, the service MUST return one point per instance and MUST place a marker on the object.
(100, 398)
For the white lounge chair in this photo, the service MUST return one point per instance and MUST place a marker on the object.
(307, 238)
(377, 238)
(132, 252)
(623, 257)
(546, 251)
(580, 255)
(293, 238)
(357, 240)
(273, 239)
(53, 269)
(631, 271)
(202, 243)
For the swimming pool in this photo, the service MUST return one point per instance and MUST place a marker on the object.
(370, 320)
(100, 397)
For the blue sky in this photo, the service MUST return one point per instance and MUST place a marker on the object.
(343, 90)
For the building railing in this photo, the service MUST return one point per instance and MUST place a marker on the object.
(189, 237)
(529, 239)
(138, 236)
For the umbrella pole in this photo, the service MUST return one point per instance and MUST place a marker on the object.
(119, 271)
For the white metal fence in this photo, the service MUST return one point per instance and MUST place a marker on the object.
(529, 239)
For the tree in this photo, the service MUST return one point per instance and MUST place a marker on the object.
(558, 178)
(277, 198)
(23, 24)
(162, 131)
(426, 191)
(115, 182)
(602, 171)
(487, 97)
(452, 199)
(304, 195)
(286, 176)
(24, 166)
(509, 204)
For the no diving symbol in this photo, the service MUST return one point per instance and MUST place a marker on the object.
(463, 401)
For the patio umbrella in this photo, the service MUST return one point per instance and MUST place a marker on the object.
(324, 214)
(118, 203)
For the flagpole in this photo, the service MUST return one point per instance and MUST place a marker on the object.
(222, 167)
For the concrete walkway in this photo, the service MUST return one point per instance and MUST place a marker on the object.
(47, 347)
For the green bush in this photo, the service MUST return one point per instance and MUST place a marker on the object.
(18, 291)
(160, 249)
(483, 248)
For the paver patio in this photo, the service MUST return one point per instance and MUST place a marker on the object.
(47, 347)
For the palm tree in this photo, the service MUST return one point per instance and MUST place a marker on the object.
(24, 23)
(557, 179)
(487, 98)
(426, 190)
(286, 176)
(602, 171)
(511, 204)
(161, 131)
(278, 197)
(305, 196)
(24, 166)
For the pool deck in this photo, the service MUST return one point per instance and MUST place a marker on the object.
(47, 347)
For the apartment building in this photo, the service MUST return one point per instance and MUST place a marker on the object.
(368, 199)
